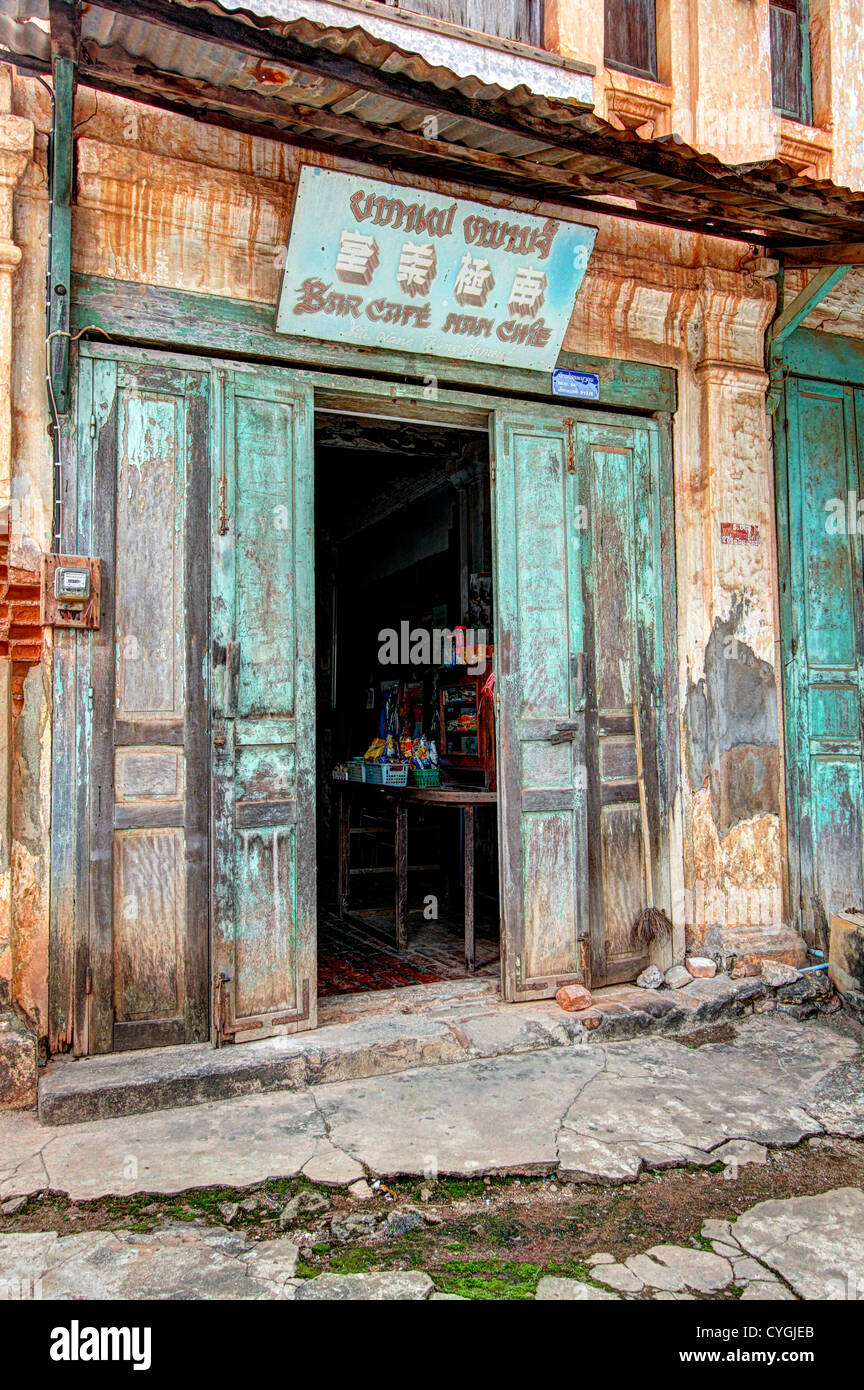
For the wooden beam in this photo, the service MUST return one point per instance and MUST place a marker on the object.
(823, 253)
(653, 158)
(816, 289)
(65, 34)
(155, 316)
(410, 151)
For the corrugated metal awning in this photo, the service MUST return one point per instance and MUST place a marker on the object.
(346, 91)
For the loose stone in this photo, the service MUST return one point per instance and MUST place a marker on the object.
(678, 976)
(651, 978)
(701, 967)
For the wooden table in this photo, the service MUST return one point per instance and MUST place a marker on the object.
(465, 799)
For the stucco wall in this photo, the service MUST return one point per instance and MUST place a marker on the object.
(25, 516)
(714, 88)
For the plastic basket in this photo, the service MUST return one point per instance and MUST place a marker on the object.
(424, 777)
(340, 772)
(355, 770)
(386, 774)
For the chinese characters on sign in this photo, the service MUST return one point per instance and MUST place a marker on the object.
(379, 265)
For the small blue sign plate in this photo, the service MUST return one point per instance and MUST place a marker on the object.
(580, 386)
(382, 265)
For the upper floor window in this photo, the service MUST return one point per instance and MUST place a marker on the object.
(790, 59)
(631, 37)
(521, 20)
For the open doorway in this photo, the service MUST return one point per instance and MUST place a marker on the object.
(407, 827)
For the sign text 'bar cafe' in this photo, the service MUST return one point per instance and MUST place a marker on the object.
(379, 265)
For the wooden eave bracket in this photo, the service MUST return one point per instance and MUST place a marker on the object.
(803, 304)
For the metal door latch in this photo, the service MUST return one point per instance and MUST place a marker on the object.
(565, 733)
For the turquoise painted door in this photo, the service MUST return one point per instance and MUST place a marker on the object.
(619, 488)
(262, 727)
(823, 646)
(578, 642)
(540, 704)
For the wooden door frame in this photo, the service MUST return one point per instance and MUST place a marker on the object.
(72, 717)
(466, 408)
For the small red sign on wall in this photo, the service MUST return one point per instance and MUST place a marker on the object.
(733, 533)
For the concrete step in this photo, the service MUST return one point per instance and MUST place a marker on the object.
(459, 1026)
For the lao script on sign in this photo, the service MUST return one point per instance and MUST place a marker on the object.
(380, 265)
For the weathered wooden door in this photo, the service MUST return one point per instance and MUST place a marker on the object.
(263, 730)
(619, 482)
(823, 644)
(578, 641)
(540, 703)
(143, 445)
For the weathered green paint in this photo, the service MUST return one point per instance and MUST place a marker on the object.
(619, 482)
(829, 356)
(60, 270)
(208, 323)
(130, 808)
(820, 472)
(541, 784)
(69, 747)
(263, 731)
(260, 663)
(579, 600)
(816, 289)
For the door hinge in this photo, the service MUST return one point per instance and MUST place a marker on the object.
(88, 980)
(89, 699)
(518, 971)
(92, 426)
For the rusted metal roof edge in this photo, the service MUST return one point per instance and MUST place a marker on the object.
(710, 198)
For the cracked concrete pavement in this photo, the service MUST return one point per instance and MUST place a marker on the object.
(596, 1113)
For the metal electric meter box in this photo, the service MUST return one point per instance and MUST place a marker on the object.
(71, 591)
(72, 583)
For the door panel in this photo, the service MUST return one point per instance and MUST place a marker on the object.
(539, 635)
(580, 640)
(620, 490)
(263, 707)
(823, 649)
(147, 947)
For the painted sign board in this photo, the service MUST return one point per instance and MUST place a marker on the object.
(580, 386)
(376, 264)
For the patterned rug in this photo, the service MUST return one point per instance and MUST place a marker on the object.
(352, 960)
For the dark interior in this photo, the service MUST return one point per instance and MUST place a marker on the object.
(403, 535)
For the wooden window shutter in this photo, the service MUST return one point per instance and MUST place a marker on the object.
(631, 36)
(790, 58)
